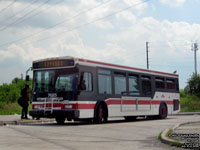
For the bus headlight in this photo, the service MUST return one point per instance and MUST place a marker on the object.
(37, 107)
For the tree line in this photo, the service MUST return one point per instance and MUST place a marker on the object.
(193, 85)
(9, 93)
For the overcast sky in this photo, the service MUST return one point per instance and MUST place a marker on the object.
(114, 31)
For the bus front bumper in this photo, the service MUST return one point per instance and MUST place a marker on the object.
(71, 113)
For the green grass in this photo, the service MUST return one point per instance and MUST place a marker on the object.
(159, 136)
(10, 108)
(176, 141)
(190, 104)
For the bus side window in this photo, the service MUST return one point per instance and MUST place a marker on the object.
(86, 81)
(160, 83)
(133, 85)
(146, 86)
(120, 84)
(171, 84)
(104, 81)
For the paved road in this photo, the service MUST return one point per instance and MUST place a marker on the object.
(114, 135)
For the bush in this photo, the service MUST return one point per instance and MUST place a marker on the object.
(193, 86)
(183, 93)
(9, 93)
(9, 108)
(190, 103)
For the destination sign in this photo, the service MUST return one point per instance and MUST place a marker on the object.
(53, 63)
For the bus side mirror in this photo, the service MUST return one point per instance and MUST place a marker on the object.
(27, 77)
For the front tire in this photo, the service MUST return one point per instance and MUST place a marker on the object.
(101, 114)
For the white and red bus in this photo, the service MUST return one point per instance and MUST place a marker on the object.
(75, 89)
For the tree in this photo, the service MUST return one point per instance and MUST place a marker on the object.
(16, 80)
(193, 86)
(9, 93)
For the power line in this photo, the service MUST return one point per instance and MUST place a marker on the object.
(77, 27)
(7, 6)
(26, 7)
(38, 12)
(18, 20)
(52, 26)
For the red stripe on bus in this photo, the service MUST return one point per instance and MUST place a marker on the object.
(109, 102)
(129, 102)
(144, 102)
(140, 102)
(113, 102)
(126, 67)
(85, 106)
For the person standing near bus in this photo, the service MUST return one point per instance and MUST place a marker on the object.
(25, 100)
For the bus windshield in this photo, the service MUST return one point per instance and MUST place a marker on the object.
(63, 83)
(66, 83)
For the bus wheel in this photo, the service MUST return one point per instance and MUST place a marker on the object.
(162, 111)
(101, 114)
(60, 120)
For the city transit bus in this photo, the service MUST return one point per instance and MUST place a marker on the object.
(77, 89)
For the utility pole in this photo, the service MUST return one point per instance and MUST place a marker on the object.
(147, 51)
(195, 49)
(21, 76)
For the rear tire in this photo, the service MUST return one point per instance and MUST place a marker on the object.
(60, 120)
(162, 111)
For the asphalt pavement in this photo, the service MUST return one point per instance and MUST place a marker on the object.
(184, 135)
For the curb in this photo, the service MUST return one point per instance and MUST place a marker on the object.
(187, 113)
(21, 122)
(165, 138)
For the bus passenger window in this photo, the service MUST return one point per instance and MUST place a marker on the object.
(120, 84)
(146, 86)
(133, 85)
(160, 84)
(104, 82)
(86, 81)
(170, 84)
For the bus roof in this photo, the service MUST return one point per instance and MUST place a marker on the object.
(93, 63)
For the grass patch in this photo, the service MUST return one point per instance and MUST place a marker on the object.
(11, 108)
(176, 142)
(190, 103)
(159, 136)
